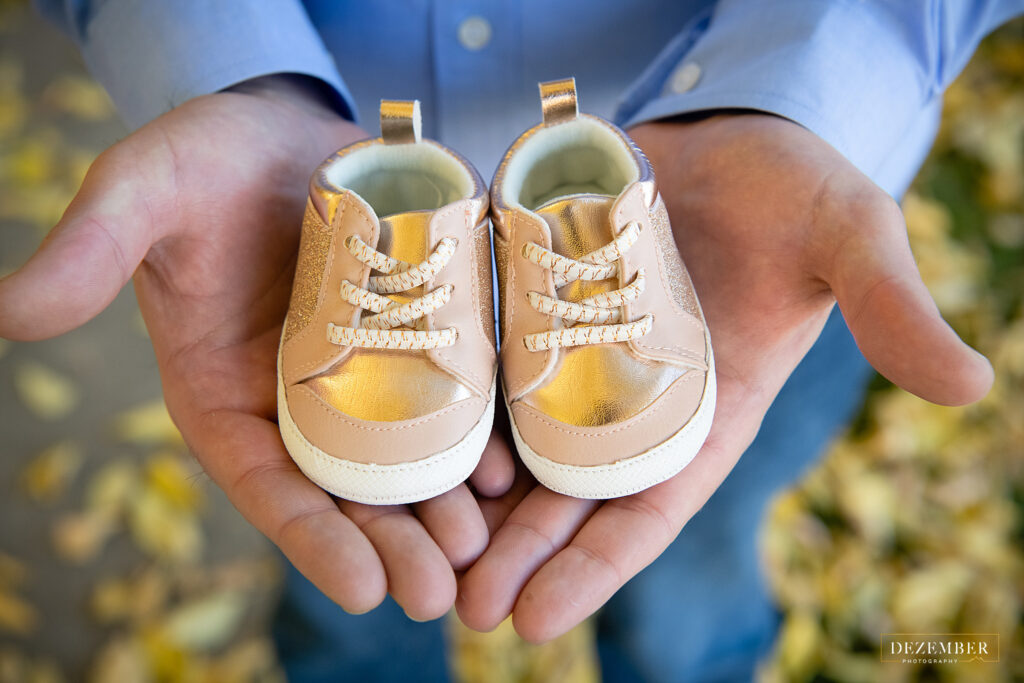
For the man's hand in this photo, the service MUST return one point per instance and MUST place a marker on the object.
(203, 206)
(775, 227)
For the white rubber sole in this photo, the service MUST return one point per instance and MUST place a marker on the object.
(406, 482)
(633, 474)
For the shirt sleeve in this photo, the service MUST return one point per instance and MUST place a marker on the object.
(152, 55)
(858, 73)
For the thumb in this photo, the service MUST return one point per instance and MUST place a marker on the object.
(82, 264)
(894, 319)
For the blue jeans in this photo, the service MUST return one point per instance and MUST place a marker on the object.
(700, 612)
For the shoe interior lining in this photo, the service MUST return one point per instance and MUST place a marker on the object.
(576, 157)
(398, 178)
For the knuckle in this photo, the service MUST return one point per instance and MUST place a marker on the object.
(299, 523)
(597, 558)
(648, 512)
(860, 204)
(530, 532)
(253, 480)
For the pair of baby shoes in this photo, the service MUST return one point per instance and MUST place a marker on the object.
(387, 368)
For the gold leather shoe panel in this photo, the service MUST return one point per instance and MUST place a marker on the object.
(601, 385)
(579, 225)
(404, 236)
(387, 386)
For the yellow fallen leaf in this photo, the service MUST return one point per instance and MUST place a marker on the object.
(111, 600)
(250, 660)
(33, 161)
(167, 661)
(869, 502)
(842, 665)
(13, 113)
(926, 600)
(250, 574)
(47, 476)
(926, 218)
(799, 644)
(110, 490)
(78, 538)
(1006, 230)
(138, 598)
(16, 615)
(501, 656)
(147, 424)
(45, 392)
(39, 205)
(78, 96)
(163, 530)
(123, 660)
(151, 591)
(207, 623)
(167, 475)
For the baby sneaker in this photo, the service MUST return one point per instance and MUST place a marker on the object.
(606, 360)
(386, 366)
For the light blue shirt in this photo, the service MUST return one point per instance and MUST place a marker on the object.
(865, 75)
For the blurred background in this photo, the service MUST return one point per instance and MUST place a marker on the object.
(120, 561)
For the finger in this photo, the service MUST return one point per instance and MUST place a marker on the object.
(894, 319)
(496, 471)
(496, 510)
(454, 521)
(82, 264)
(419, 577)
(621, 538)
(538, 528)
(244, 455)
(627, 534)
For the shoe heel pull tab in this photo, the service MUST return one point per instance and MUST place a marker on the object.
(400, 121)
(558, 101)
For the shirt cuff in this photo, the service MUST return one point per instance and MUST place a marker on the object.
(846, 71)
(152, 56)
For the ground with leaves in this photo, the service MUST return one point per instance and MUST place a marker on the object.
(120, 562)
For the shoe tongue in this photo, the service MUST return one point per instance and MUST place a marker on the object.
(580, 223)
(404, 236)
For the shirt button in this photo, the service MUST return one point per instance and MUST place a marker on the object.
(684, 78)
(474, 33)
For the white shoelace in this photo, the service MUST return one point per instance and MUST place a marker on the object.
(375, 332)
(600, 312)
